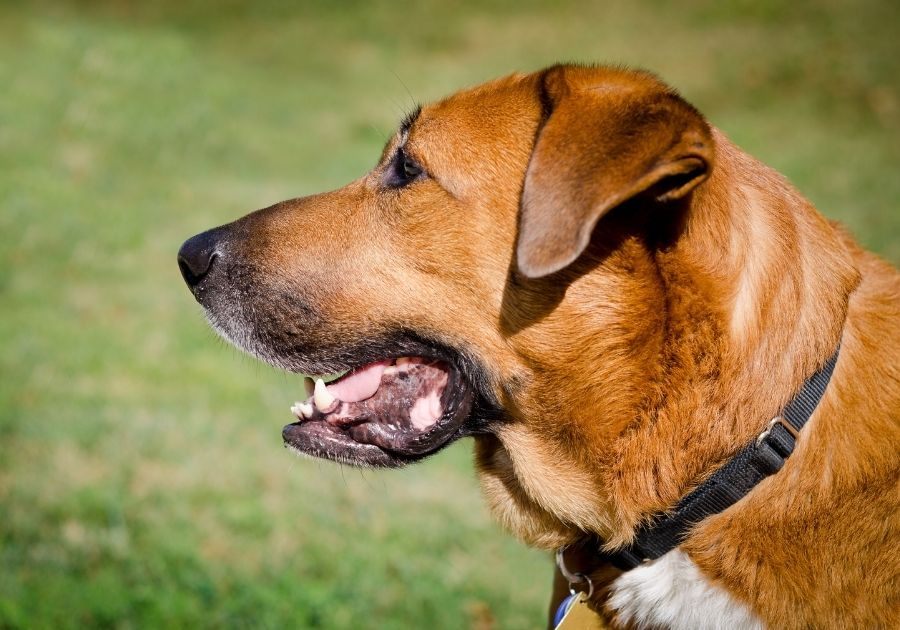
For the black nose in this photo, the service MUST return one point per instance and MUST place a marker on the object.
(196, 257)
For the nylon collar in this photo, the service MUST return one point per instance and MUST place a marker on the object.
(734, 480)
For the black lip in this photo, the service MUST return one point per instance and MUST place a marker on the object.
(372, 444)
(320, 439)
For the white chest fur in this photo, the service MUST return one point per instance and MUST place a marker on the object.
(670, 592)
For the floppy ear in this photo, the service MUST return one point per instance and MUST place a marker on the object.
(603, 143)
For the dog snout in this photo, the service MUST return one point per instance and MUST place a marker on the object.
(197, 257)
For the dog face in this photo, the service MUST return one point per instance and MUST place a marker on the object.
(466, 285)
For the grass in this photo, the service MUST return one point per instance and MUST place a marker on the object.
(142, 479)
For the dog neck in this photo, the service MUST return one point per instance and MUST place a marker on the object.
(738, 321)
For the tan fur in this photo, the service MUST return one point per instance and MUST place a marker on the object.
(632, 363)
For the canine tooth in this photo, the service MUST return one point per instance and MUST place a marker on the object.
(402, 361)
(323, 398)
(390, 370)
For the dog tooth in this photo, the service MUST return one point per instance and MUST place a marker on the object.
(402, 361)
(323, 398)
(302, 410)
(390, 370)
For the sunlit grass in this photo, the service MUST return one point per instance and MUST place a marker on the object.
(142, 479)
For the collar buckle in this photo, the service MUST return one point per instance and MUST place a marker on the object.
(773, 423)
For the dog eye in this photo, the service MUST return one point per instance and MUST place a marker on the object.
(403, 170)
(410, 169)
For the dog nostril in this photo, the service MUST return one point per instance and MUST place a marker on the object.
(191, 276)
(196, 256)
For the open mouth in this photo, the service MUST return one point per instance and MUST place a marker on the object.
(386, 413)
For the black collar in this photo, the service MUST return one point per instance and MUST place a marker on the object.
(728, 485)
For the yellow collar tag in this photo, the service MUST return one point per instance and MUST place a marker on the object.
(581, 617)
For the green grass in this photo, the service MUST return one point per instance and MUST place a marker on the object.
(142, 479)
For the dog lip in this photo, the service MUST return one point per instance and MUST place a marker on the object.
(321, 439)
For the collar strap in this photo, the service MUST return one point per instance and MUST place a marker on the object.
(728, 485)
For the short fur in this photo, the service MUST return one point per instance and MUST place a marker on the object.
(671, 593)
(643, 297)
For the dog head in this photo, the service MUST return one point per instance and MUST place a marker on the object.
(491, 276)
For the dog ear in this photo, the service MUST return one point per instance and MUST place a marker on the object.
(607, 139)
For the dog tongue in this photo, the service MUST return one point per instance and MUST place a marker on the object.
(359, 384)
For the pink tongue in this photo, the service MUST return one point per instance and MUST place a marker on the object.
(359, 384)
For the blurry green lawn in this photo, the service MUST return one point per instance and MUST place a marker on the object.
(142, 479)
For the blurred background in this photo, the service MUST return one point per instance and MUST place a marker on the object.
(142, 478)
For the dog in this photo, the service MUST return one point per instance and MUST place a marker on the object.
(577, 270)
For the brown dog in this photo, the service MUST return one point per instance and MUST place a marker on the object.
(575, 268)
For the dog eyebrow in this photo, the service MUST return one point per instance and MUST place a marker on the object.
(399, 139)
(409, 119)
